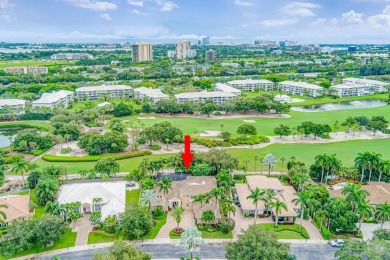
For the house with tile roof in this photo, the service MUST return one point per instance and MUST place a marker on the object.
(17, 207)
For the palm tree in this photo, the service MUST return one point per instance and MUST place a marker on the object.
(228, 207)
(46, 190)
(321, 160)
(302, 199)
(354, 194)
(201, 198)
(270, 160)
(221, 125)
(383, 168)
(21, 167)
(208, 216)
(373, 163)
(177, 214)
(362, 161)
(2, 213)
(256, 158)
(256, 195)
(148, 197)
(282, 159)
(164, 185)
(382, 211)
(216, 194)
(299, 180)
(54, 208)
(364, 210)
(269, 196)
(278, 205)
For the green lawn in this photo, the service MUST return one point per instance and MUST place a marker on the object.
(81, 104)
(26, 124)
(67, 240)
(39, 210)
(97, 237)
(20, 63)
(153, 233)
(133, 196)
(287, 231)
(216, 235)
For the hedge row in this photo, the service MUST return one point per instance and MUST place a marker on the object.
(93, 158)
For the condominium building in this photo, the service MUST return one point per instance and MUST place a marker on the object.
(220, 87)
(191, 54)
(149, 93)
(182, 50)
(52, 100)
(171, 54)
(71, 56)
(300, 88)
(16, 105)
(95, 92)
(359, 87)
(201, 97)
(252, 85)
(142, 52)
(211, 55)
(27, 70)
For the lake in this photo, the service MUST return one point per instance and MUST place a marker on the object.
(7, 135)
(341, 106)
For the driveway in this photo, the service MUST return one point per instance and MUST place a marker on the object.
(83, 226)
(369, 228)
(187, 221)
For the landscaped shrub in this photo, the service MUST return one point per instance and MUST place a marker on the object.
(382, 234)
(157, 212)
(13, 158)
(225, 225)
(226, 144)
(239, 176)
(155, 147)
(141, 140)
(66, 150)
(94, 158)
(325, 233)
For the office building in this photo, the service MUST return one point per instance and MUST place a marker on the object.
(27, 70)
(53, 100)
(359, 87)
(211, 55)
(252, 85)
(95, 92)
(182, 50)
(71, 56)
(151, 94)
(220, 87)
(205, 40)
(201, 97)
(300, 88)
(142, 52)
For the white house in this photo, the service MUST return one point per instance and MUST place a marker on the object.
(14, 104)
(252, 85)
(200, 97)
(52, 100)
(220, 87)
(95, 92)
(359, 87)
(153, 94)
(300, 88)
(109, 198)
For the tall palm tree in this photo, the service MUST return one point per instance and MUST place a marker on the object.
(382, 211)
(177, 213)
(373, 163)
(383, 168)
(148, 197)
(20, 167)
(321, 160)
(256, 158)
(268, 197)
(364, 209)
(216, 194)
(2, 213)
(201, 198)
(270, 160)
(334, 166)
(303, 199)
(228, 208)
(362, 161)
(354, 194)
(164, 185)
(256, 196)
(282, 159)
(299, 180)
(278, 205)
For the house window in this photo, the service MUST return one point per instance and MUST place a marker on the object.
(187, 204)
(76, 210)
(98, 208)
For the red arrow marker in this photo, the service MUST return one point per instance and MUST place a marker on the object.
(187, 155)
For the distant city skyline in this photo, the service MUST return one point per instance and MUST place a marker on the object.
(115, 21)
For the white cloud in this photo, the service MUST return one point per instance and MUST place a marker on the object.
(138, 12)
(243, 3)
(386, 10)
(352, 17)
(135, 3)
(299, 9)
(105, 17)
(166, 6)
(278, 22)
(92, 4)
(4, 5)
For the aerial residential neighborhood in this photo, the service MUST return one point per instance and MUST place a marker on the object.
(238, 130)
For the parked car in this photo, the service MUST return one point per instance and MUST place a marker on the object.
(337, 243)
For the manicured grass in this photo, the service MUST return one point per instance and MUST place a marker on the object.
(173, 235)
(133, 196)
(39, 210)
(20, 63)
(159, 223)
(26, 124)
(81, 104)
(287, 231)
(67, 240)
(98, 237)
(216, 235)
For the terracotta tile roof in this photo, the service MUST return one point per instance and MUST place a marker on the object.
(18, 206)
(243, 192)
(263, 182)
(198, 210)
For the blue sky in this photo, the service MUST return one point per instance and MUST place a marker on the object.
(315, 21)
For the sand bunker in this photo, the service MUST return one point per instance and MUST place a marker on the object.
(210, 133)
(249, 121)
(146, 118)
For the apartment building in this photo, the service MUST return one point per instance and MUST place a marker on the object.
(95, 92)
(171, 54)
(27, 70)
(252, 85)
(53, 100)
(16, 105)
(220, 87)
(149, 93)
(300, 88)
(142, 52)
(201, 97)
(71, 56)
(359, 87)
(183, 49)
(211, 55)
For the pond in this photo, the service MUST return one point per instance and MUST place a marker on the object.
(7, 135)
(341, 106)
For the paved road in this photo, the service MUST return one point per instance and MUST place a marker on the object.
(169, 251)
